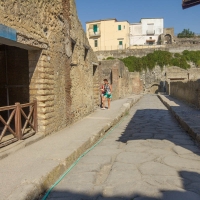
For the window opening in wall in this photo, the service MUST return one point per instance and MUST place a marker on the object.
(94, 69)
(119, 27)
(150, 29)
(73, 44)
(95, 43)
(124, 27)
(95, 28)
(120, 43)
(86, 51)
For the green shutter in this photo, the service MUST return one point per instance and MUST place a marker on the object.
(95, 28)
(120, 43)
(119, 27)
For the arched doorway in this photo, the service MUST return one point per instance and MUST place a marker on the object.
(168, 39)
(154, 89)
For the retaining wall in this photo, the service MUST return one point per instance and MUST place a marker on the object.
(188, 91)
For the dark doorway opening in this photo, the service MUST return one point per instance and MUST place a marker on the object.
(14, 78)
(96, 88)
(14, 75)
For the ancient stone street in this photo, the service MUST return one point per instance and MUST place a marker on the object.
(148, 156)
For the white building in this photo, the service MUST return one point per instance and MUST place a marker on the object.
(146, 32)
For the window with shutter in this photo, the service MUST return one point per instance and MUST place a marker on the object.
(95, 28)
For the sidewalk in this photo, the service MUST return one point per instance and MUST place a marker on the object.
(30, 171)
(187, 116)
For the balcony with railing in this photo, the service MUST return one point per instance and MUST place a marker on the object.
(94, 34)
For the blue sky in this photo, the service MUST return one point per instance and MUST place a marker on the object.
(134, 10)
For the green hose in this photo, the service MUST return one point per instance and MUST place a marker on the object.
(75, 163)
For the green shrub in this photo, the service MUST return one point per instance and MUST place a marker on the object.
(162, 58)
(177, 55)
(186, 33)
(198, 63)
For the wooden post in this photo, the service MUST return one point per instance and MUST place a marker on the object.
(18, 123)
(35, 115)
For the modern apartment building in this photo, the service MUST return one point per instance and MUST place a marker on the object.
(108, 34)
(147, 32)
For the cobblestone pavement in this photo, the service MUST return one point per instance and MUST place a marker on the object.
(148, 156)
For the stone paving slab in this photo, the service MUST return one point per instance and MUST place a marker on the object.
(30, 171)
(149, 167)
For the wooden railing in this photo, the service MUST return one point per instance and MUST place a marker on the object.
(19, 124)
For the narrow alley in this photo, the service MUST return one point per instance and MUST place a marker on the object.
(147, 156)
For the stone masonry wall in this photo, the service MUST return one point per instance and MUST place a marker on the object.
(188, 91)
(123, 82)
(84, 97)
(63, 91)
(173, 48)
(158, 79)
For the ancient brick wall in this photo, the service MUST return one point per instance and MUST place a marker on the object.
(187, 41)
(64, 92)
(188, 91)
(123, 82)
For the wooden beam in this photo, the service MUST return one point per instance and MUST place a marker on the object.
(190, 3)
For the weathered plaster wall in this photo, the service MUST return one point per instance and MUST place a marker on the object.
(50, 25)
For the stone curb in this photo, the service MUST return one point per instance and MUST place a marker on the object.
(190, 130)
(33, 191)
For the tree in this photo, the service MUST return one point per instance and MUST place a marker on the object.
(186, 33)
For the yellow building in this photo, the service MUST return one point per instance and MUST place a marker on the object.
(108, 34)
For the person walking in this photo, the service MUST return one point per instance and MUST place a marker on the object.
(107, 94)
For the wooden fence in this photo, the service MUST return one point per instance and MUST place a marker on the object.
(19, 123)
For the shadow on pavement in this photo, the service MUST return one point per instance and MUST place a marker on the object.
(190, 181)
(148, 125)
(157, 124)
